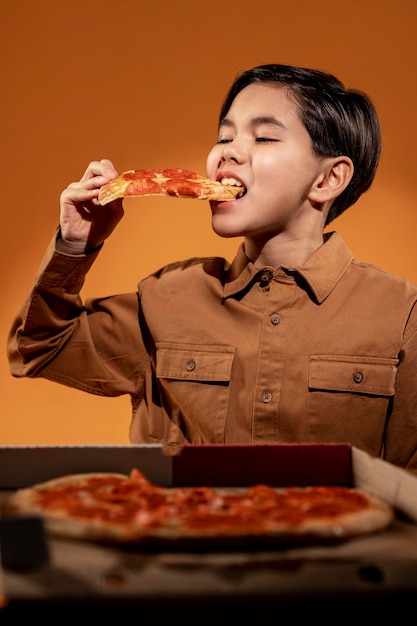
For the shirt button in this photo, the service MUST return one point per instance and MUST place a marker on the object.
(265, 278)
(275, 319)
(190, 366)
(357, 377)
(266, 397)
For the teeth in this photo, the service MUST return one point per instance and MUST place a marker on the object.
(231, 181)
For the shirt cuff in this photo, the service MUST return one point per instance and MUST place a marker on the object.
(72, 247)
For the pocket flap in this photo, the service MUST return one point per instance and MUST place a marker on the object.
(194, 362)
(375, 376)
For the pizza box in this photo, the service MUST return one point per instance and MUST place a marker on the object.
(49, 577)
(218, 465)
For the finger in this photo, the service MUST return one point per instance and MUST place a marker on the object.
(82, 191)
(103, 168)
(108, 163)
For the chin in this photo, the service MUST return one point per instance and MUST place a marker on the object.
(225, 224)
(227, 233)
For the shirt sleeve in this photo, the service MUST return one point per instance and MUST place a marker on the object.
(400, 444)
(94, 346)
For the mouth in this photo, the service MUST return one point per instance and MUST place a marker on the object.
(234, 182)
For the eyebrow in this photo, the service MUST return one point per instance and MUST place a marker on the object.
(256, 121)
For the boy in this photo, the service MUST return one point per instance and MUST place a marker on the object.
(294, 341)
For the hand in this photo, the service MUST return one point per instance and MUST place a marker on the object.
(82, 218)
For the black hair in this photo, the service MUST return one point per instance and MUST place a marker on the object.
(340, 121)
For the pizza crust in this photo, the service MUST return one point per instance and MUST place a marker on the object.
(112, 190)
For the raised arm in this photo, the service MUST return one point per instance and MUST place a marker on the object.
(57, 335)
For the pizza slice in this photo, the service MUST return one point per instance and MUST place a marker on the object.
(174, 183)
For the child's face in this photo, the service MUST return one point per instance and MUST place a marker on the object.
(263, 143)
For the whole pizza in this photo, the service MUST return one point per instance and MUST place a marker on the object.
(117, 508)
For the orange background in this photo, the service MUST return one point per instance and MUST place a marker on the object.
(141, 83)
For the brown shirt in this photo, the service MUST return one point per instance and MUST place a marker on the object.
(217, 353)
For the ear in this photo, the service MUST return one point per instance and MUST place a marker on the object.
(334, 177)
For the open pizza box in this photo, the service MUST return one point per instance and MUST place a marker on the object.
(41, 569)
(234, 465)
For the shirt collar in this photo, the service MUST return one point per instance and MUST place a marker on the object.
(322, 271)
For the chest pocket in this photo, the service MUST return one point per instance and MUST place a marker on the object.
(365, 375)
(194, 384)
(195, 363)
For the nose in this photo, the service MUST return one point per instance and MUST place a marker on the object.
(232, 152)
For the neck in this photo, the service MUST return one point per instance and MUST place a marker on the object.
(284, 251)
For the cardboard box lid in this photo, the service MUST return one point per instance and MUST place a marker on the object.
(393, 484)
(221, 465)
(22, 466)
(279, 465)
